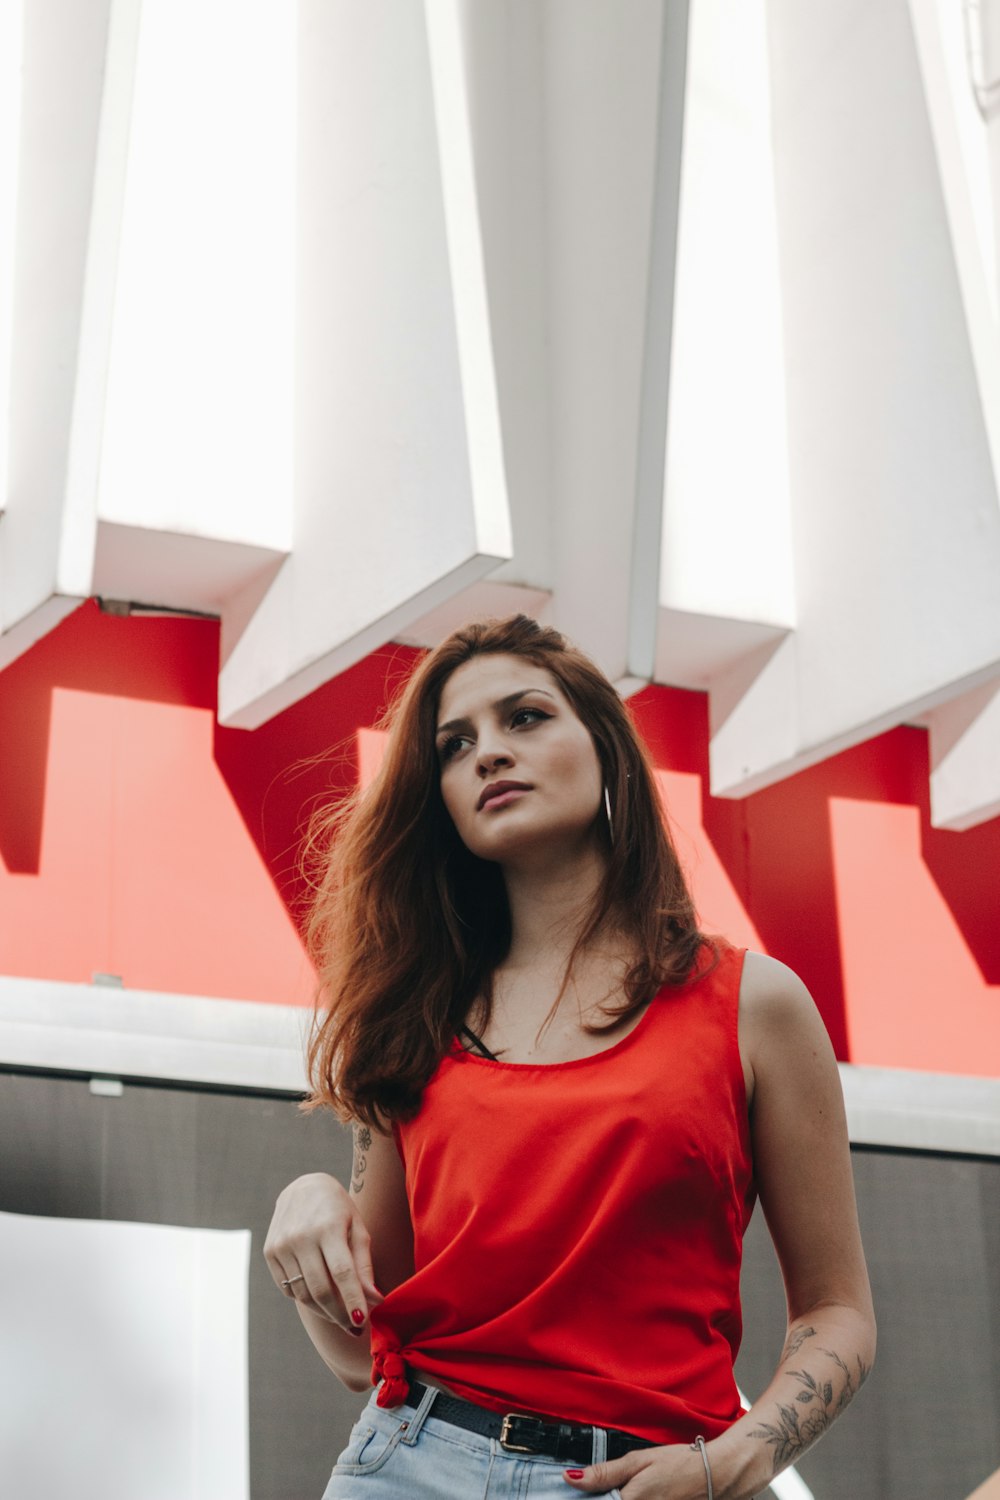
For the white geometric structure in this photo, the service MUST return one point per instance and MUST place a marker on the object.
(675, 324)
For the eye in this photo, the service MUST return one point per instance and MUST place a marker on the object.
(450, 747)
(527, 716)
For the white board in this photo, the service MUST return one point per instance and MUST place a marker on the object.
(123, 1360)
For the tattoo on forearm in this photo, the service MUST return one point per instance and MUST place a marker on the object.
(794, 1342)
(820, 1405)
(362, 1146)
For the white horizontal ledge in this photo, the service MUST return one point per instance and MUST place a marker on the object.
(102, 1029)
(106, 1031)
(922, 1111)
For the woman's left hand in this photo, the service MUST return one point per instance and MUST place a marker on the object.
(673, 1473)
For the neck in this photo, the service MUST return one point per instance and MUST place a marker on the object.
(549, 906)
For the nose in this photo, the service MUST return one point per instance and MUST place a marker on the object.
(489, 759)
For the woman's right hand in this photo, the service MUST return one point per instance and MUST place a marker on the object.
(319, 1244)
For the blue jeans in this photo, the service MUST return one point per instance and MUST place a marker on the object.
(407, 1454)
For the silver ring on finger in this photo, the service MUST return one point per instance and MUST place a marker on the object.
(300, 1277)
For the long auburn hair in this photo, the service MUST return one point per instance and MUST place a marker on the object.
(407, 927)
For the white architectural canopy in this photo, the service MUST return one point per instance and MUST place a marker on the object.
(674, 323)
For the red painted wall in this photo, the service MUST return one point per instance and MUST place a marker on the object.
(139, 838)
(891, 923)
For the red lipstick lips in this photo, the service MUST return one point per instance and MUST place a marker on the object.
(498, 789)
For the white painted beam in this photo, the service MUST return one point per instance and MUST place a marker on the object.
(473, 332)
(894, 496)
(602, 94)
(504, 60)
(644, 647)
(152, 398)
(922, 1111)
(489, 600)
(400, 491)
(112, 1032)
(965, 758)
(11, 47)
(565, 101)
(105, 1030)
(198, 433)
(969, 180)
(726, 582)
(75, 82)
(78, 526)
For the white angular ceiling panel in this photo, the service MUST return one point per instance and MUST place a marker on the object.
(566, 101)
(965, 758)
(400, 495)
(674, 325)
(64, 129)
(11, 49)
(896, 524)
(726, 582)
(150, 363)
(199, 407)
(953, 42)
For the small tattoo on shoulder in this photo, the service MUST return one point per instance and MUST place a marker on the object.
(362, 1146)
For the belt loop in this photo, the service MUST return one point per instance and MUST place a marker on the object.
(600, 1452)
(421, 1414)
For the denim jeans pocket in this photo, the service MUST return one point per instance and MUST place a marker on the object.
(373, 1438)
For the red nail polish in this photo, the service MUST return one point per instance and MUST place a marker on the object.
(357, 1316)
(573, 1473)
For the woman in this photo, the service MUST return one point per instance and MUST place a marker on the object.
(565, 1101)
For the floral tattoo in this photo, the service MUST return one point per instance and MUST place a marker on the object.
(818, 1404)
(362, 1146)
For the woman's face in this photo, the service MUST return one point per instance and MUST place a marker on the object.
(519, 771)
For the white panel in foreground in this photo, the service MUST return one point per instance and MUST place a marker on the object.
(123, 1365)
(790, 1486)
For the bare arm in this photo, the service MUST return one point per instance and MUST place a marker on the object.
(803, 1167)
(348, 1248)
(803, 1170)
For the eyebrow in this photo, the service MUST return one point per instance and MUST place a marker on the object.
(500, 706)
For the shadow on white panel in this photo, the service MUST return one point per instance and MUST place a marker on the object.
(123, 1363)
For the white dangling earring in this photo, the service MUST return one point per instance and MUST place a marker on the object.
(607, 809)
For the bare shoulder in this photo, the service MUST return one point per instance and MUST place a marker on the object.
(779, 1021)
(770, 990)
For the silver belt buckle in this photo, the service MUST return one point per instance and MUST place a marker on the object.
(516, 1416)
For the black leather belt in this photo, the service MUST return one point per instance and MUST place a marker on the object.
(569, 1442)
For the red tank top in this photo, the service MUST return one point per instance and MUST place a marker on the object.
(578, 1226)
